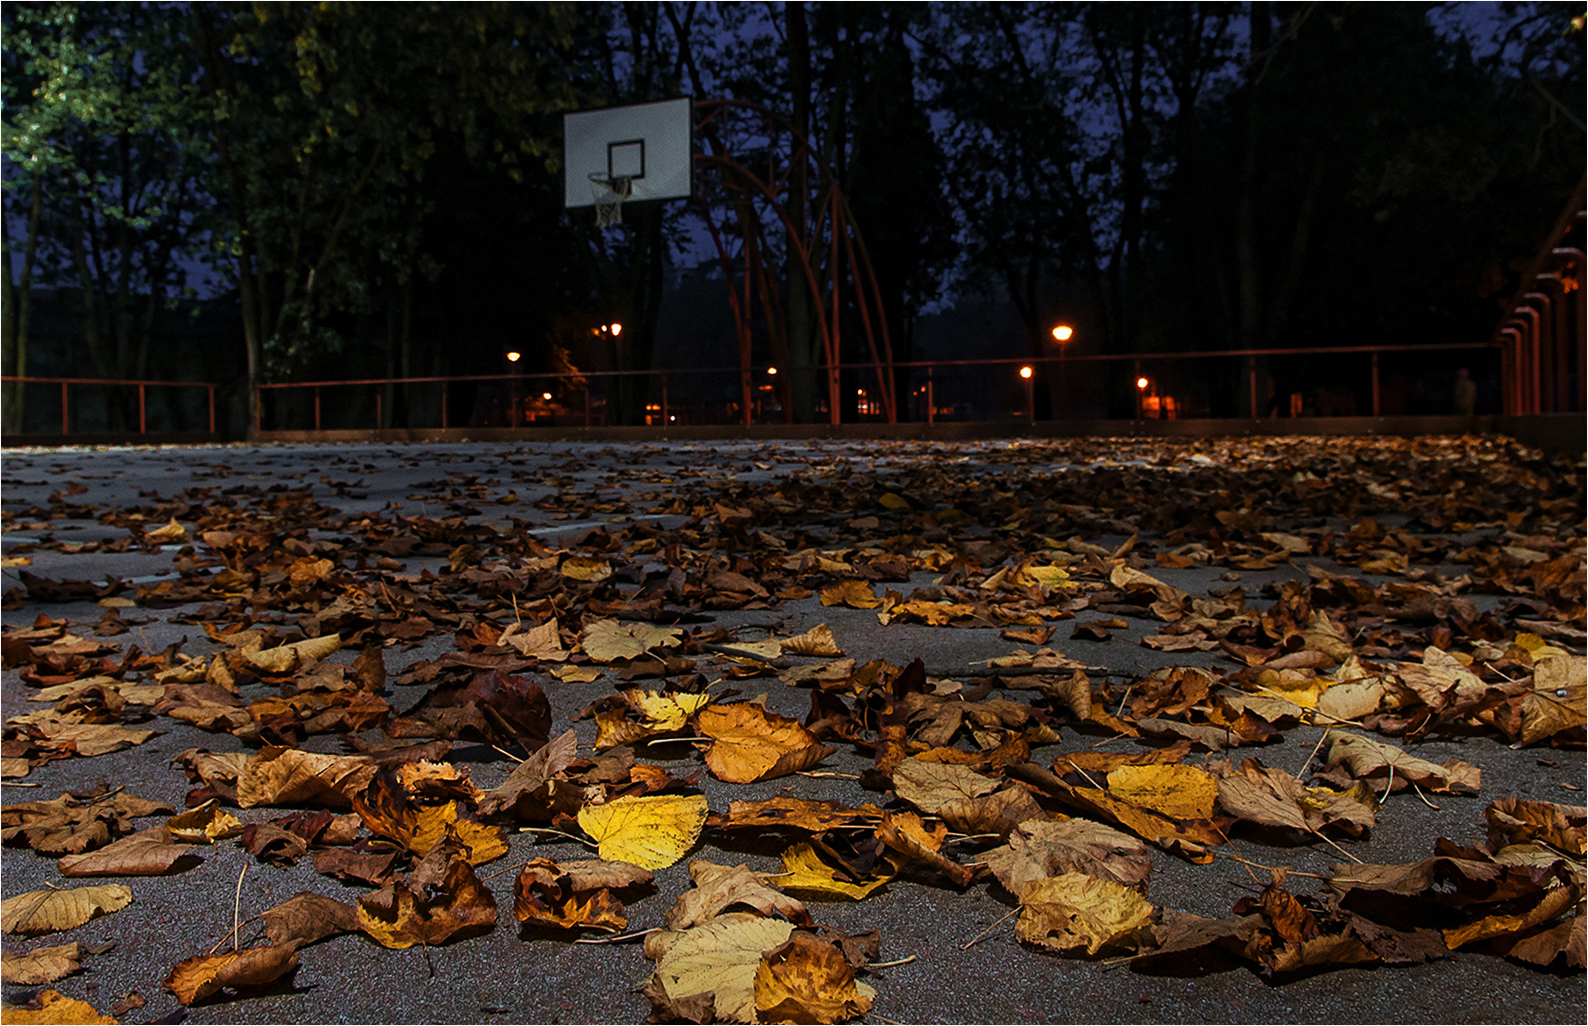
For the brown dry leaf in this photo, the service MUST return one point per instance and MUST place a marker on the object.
(204, 824)
(854, 594)
(170, 533)
(531, 774)
(1074, 910)
(574, 895)
(290, 776)
(931, 785)
(808, 980)
(286, 658)
(41, 965)
(428, 911)
(1553, 903)
(608, 641)
(51, 1007)
(992, 814)
(818, 641)
(53, 909)
(1273, 798)
(716, 961)
(906, 834)
(1354, 757)
(203, 976)
(1543, 947)
(1556, 705)
(70, 824)
(718, 888)
(543, 642)
(651, 831)
(1514, 821)
(751, 744)
(578, 568)
(309, 917)
(1041, 849)
(388, 809)
(149, 852)
(804, 814)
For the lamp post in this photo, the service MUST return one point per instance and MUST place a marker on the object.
(1027, 373)
(512, 403)
(1061, 333)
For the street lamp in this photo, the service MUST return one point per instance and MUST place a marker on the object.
(616, 329)
(514, 357)
(1063, 333)
(1027, 373)
(1141, 392)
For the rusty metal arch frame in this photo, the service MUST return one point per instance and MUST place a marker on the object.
(828, 216)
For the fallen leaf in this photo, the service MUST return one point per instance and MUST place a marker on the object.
(1042, 849)
(41, 965)
(854, 594)
(54, 909)
(51, 1007)
(574, 895)
(718, 888)
(818, 641)
(307, 917)
(751, 744)
(415, 911)
(203, 976)
(1076, 911)
(805, 872)
(719, 959)
(608, 641)
(149, 852)
(807, 979)
(652, 831)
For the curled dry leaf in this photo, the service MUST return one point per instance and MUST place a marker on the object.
(69, 825)
(204, 976)
(41, 965)
(854, 594)
(808, 979)
(1514, 821)
(750, 744)
(546, 762)
(204, 824)
(806, 872)
(405, 913)
(290, 776)
(652, 831)
(574, 895)
(309, 917)
(51, 1007)
(718, 888)
(1354, 757)
(50, 910)
(1041, 849)
(818, 641)
(285, 659)
(608, 641)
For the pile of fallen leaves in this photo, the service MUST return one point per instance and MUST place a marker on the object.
(306, 613)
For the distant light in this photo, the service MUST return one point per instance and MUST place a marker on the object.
(617, 329)
(860, 391)
(1025, 372)
(771, 370)
(1063, 333)
(1142, 383)
(513, 357)
(546, 396)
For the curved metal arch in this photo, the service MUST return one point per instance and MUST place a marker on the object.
(829, 221)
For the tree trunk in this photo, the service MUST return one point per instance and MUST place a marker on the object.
(800, 357)
(18, 308)
(1247, 248)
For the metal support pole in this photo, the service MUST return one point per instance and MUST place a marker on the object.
(1529, 353)
(745, 395)
(1251, 382)
(1376, 407)
(443, 406)
(211, 391)
(380, 421)
(143, 419)
(931, 400)
(65, 429)
(666, 419)
(1510, 383)
(316, 408)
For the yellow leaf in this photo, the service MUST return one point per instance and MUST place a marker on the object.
(576, 674)
(651, 831)
(1183, 792)
(580, 569)
(818, 641)
(286, 658)
(803, 870)
(201, 976)
(892, 500)
(170, 533)
(808, 980)
(1074, 910)
(205, 824)
(41, 965)
(607, 641)
(53, 1007)
(52, 909)
(719, 958)
(854, 594)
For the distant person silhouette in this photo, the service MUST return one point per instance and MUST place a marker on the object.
(1465, 396)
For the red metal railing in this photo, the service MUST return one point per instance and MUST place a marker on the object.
(1544, 333)
(142, 387)
(581, 397)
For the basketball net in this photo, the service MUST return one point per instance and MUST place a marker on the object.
(609, 195)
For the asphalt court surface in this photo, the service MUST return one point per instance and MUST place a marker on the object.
(558, 494)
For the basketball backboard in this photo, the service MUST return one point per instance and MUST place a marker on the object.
(648, 145)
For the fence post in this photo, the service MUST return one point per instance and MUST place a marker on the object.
(211, 391)
(666, 420)
(1376, 413)
(379, 420)
(443, 406)
(142, 410)
(65, 422)
(316, 407)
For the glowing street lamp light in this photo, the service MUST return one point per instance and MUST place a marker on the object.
(514, 357)
(1025, 372)
(546, 396)
(1063, 333)
(772, 371)
(1028, 374)
(1142, 383)
(616, 329)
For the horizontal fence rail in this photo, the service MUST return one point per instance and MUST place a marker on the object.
(107, 397)
(1243, 383)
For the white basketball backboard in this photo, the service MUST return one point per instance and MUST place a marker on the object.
(651, 144)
